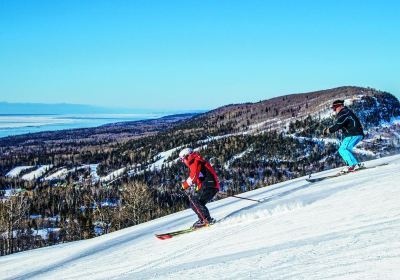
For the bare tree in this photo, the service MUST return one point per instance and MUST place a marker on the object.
(137, 204)
(12, 214)
(104, 216)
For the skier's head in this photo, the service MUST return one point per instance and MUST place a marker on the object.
(185, 153)
(337, 105)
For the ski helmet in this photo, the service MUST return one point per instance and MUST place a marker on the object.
(337, 103)
(185, 152)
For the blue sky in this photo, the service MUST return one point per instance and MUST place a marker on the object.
(193, 54)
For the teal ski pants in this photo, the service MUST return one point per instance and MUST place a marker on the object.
(346, 148)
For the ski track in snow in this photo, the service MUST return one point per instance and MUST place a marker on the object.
(342, 228)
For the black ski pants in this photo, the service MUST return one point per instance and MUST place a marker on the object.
(200, 199)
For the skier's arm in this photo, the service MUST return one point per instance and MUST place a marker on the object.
(338, 124)
(194, 174)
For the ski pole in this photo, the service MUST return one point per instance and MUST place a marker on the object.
(245, 198)
(255, 200)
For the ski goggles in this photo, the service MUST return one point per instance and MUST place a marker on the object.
(334, 107)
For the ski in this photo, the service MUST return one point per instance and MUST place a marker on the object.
(171, 234)
(314, 180)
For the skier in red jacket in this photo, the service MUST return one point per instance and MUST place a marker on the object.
(203, 177)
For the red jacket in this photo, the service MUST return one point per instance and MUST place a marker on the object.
(199, 170)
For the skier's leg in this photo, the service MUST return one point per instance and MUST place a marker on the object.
(197, 206)
(352, 143)
(344, 152)
(207, 194)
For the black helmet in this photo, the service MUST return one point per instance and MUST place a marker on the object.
(337, 103)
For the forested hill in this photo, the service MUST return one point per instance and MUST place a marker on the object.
(276, 112)
(93, 185)
(228, 135)
(306, 112)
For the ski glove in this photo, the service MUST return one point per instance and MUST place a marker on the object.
(196, 187)
(326, 131)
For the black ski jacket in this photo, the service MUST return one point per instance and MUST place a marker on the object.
(348, 122)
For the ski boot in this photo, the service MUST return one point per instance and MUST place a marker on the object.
(199, 223)
(358, 166)
(211, 221)
(346, 169)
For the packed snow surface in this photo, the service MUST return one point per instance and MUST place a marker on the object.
(37, 173)
(342, 228)
(14, 173)
(113, 175)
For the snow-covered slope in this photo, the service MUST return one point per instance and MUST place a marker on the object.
(36, 173)
(342, 228)
(14, 173)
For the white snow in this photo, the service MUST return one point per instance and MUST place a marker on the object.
(22, 121)
(63, 172)
(214, 138)
(113, 175)
(315, 139)
(364, 152)
(325, 114)
(36, 173)
(342, 228)
(44, 233)
(235, 157)
(59, 174)
(14, 173)
(198, 149)
(9, 192)
(261, 124)
(161, 159)
(93, 172)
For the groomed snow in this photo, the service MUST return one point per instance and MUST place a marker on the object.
(93, 172)
(62, 173)
(342, 228)
(14, 173)
(235, 157)
(162, 158)
(37, 173)
(113, 175)
(59, 174)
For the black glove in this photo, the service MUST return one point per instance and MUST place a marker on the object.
(326, 131)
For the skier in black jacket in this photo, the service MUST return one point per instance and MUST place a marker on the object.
(352, 131)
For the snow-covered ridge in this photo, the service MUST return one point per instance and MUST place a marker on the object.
(342, 228)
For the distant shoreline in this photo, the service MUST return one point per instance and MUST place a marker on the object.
(12, 125)
(29, 114)
(20, 124)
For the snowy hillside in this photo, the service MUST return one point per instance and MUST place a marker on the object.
(343, 228)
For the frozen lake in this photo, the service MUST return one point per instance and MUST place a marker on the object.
(21, 124)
